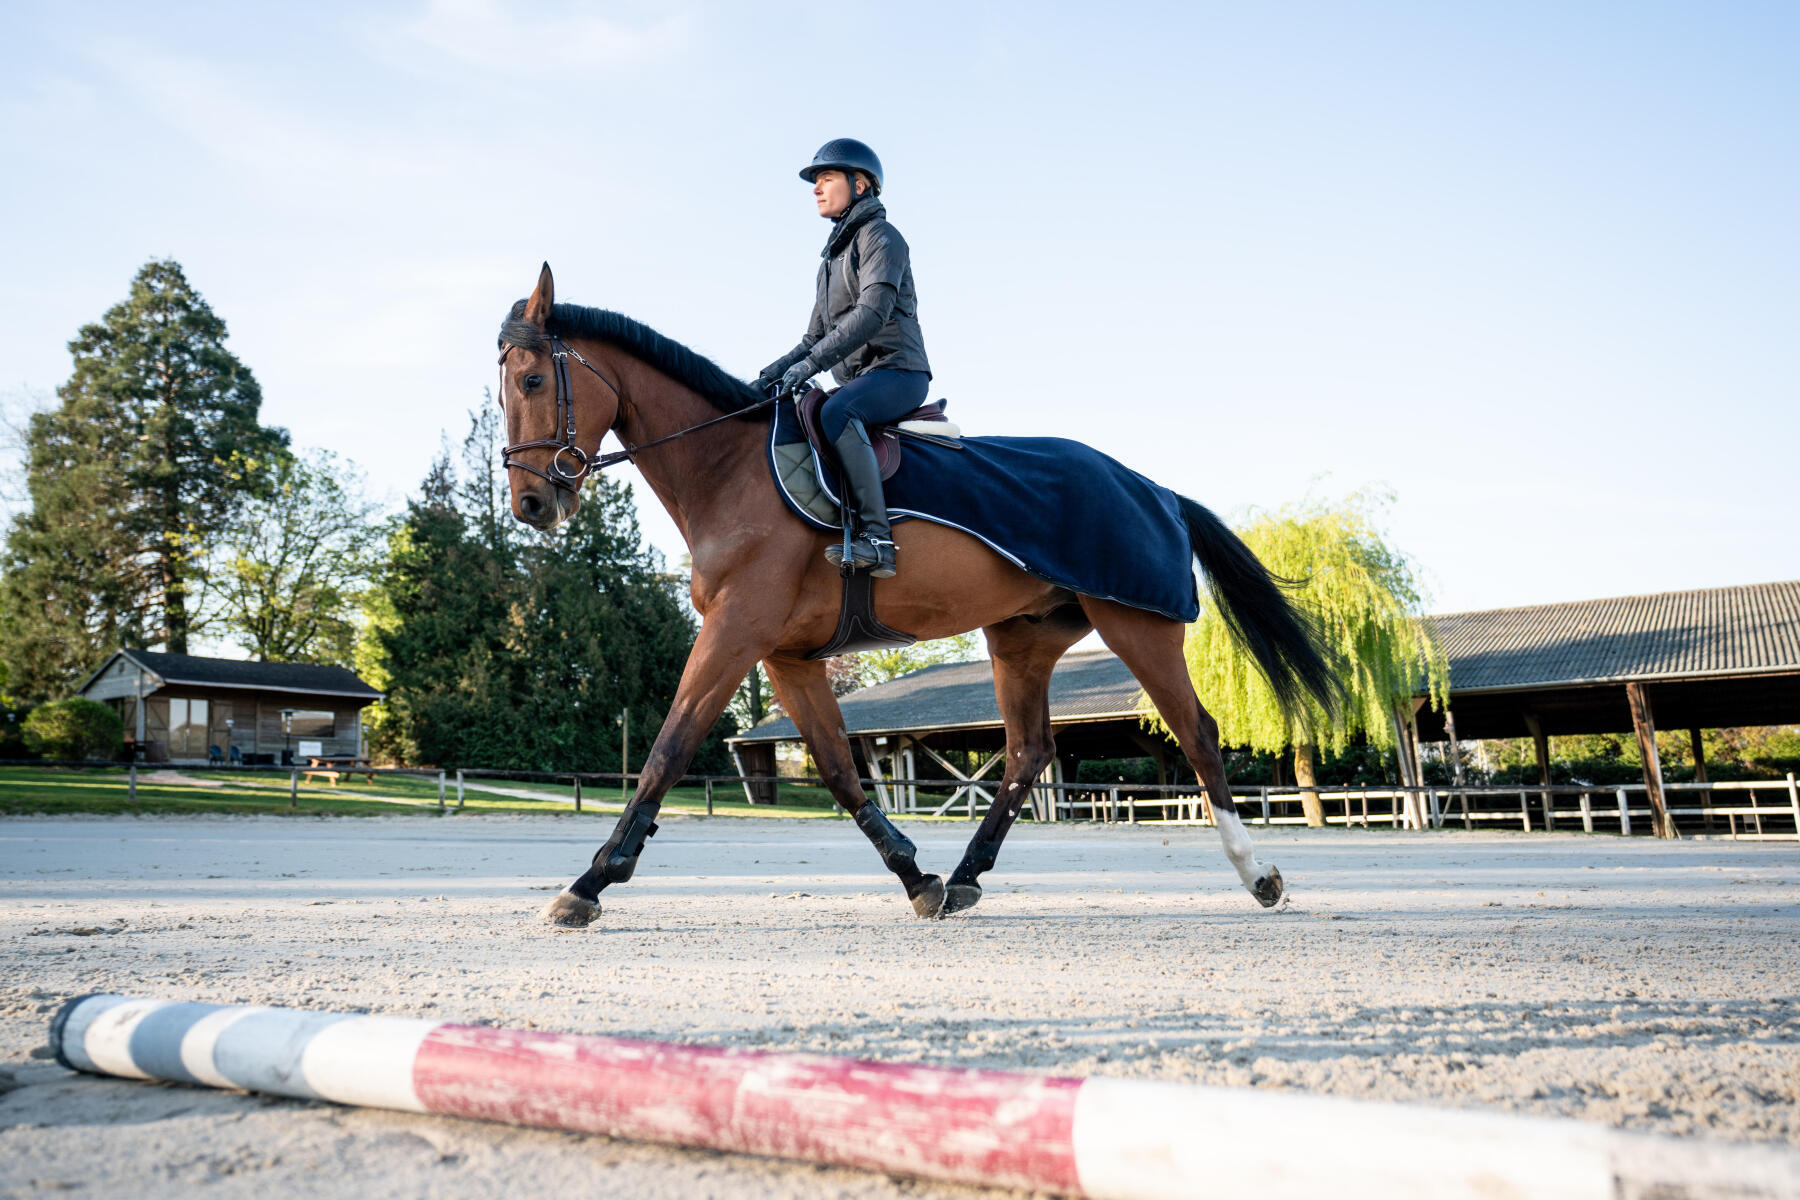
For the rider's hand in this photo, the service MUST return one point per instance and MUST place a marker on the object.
(796, 375)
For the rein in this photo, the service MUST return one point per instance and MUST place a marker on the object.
(585, 464)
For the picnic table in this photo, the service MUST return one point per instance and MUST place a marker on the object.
(333, 769)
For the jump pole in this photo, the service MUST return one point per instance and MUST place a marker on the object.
(1111, 1139)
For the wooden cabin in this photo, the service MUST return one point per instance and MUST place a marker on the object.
(182, 708)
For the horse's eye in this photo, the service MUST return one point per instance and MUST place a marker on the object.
(532, 383)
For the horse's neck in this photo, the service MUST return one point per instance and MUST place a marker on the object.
(693, 476)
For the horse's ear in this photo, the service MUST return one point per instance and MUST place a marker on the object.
(537, 309)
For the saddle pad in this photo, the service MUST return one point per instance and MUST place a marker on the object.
(1055, 508)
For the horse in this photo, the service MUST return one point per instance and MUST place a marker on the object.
(766, 593)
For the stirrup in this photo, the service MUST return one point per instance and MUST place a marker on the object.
(875, 555)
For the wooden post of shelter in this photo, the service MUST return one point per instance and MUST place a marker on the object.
(1700, 776)
(1405, 751)
(1541, 745)
(1644, 722)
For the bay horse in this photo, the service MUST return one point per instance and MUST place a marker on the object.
(766, 593)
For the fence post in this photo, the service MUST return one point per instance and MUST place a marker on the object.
(709, 784)
(459, 788)
(1587, 814)
(1624, 814)
(294, 788)
(441, 779)
(1793, 802)
(1524, 812)
(577, 781)
(131, 788)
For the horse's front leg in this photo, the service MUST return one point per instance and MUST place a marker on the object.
(722, 655)
(805, 692)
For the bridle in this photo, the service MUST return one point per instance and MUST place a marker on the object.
(559, 475)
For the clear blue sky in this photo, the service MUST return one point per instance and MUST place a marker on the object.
(1533, 266)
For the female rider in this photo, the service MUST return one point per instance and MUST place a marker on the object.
(865, 330)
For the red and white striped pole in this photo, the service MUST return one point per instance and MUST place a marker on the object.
(1103, 1138)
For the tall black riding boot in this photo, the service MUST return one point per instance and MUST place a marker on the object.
(873, 546)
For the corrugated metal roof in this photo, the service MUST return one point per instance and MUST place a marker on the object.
(1711, 632)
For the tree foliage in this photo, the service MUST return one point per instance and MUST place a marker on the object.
(152, 446)
(295, 561)
(504, 648)
(1367, 601)
(850, 672)
(74, 728)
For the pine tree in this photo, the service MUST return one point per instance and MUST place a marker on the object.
(153, 447)
(506, 649)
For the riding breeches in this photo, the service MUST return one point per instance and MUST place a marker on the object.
(873, 398)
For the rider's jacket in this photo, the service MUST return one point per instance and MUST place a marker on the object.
(865, 315)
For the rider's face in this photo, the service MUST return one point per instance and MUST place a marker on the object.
(832, 192)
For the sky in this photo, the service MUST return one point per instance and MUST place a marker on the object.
(1531, 268)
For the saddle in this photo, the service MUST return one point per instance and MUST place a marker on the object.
(927, 423)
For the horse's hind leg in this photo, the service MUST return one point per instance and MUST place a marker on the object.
(1150, 645)
(1024, 654)
(805, 692)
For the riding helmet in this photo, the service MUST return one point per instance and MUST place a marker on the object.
(844, 154)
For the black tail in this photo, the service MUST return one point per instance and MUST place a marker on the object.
(1284, 641)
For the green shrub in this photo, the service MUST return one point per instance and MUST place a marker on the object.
(74, 728)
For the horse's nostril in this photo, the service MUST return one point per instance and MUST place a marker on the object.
(532, 506)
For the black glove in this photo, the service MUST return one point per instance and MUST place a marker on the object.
(797, 375)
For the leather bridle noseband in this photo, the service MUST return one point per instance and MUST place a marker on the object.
(558, 475)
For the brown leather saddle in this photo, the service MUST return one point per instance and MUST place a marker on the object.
(887, 439)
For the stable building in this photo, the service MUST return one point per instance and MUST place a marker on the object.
(1704, 659)
(183, 708)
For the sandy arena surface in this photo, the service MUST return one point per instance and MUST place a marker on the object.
(1655, 986)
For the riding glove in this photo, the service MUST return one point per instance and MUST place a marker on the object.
(796, 375)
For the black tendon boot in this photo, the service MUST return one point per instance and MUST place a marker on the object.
(896, 849)
(873, 546)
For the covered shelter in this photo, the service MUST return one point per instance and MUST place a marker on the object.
(183, 708)
(1704, 659)
(950, 709)
(1692, 660)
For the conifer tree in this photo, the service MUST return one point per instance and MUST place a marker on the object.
(503, 648)
(154, 444)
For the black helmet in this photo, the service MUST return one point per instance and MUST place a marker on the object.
(844, 154)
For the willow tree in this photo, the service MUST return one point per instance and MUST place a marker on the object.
(1367, 601)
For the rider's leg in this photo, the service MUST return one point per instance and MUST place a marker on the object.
(869, 399)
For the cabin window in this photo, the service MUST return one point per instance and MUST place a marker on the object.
(312, 724)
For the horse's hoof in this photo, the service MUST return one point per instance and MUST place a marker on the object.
(1268, 889)
(929, 902)
(960, 897)
(570, 911)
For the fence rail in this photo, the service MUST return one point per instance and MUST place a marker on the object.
(1745, 810)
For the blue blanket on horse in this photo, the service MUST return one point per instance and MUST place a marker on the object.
(1060, 510)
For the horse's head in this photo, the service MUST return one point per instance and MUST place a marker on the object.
(555, 418)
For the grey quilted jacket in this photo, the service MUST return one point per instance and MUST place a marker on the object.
(865, 315)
